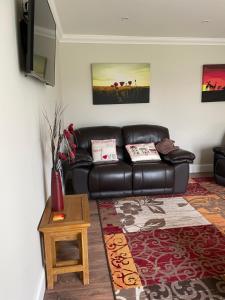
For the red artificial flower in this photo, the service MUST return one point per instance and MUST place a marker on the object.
(66, 134)
(62, 156)
(72, 155)
(70, 128)
(73, 146)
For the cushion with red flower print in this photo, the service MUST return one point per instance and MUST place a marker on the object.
(71, 128)
(104, 150)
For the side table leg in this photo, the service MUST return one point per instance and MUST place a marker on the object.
(54, 256)
(48, 261)
(84, 242)
(79, 236)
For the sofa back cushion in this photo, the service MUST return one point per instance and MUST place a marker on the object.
(86, 134)
(139, 134)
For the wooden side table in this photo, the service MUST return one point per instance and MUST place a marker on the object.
(73, 227)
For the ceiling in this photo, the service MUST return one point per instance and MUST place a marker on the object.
(142, 18)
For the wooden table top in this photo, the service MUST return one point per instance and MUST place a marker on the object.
(76, 210)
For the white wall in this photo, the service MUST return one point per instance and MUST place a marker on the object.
(176, 73)
(25, 168)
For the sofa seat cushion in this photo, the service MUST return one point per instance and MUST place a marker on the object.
(152, 175)
(108, 177)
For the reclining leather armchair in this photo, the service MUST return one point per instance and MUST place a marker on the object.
(219, 165)
(126, 178)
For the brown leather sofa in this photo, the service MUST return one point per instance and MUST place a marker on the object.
(125, 178)
(219, 165)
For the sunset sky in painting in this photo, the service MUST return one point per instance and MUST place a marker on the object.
(107, 74)
(215, 74)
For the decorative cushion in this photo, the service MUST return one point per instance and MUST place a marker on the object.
(104, 150)
(143, 152)
(166, 146)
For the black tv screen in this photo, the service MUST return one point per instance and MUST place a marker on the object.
(41, 41)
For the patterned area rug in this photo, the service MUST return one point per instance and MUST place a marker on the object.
(167, 247)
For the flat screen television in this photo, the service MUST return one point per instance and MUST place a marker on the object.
(39, 41)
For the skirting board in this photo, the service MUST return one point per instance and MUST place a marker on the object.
(195, 168)
(41, 287)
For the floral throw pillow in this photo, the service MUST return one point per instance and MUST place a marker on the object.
(104, 150)
(140, 152)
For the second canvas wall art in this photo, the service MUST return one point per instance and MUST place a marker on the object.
(213, 83)
(120, 83)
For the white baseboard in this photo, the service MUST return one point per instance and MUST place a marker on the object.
(41, 287)
(195, 168)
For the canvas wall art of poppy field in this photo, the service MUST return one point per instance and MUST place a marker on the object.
(120, 83)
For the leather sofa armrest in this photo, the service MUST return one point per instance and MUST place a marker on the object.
(179, 156)
(82, 159)
(219, 150)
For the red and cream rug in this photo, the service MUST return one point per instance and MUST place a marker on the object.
(167, 247)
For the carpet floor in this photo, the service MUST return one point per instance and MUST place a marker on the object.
(167, 247)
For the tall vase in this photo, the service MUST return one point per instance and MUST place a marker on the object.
(56, 191)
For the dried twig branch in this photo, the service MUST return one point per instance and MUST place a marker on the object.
(57, 137)
(55, 134)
